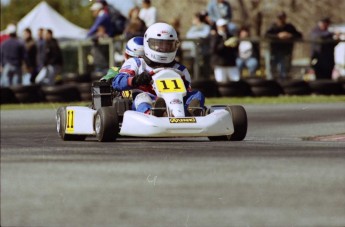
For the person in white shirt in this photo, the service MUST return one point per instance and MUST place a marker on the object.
(148, 13)
(247, 53)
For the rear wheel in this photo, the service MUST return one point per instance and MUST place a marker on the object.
(106, 124)
(61, 127)
(239, 119)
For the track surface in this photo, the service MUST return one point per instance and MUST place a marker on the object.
(273, 178)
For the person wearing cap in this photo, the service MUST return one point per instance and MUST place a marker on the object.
(322, 56)
(12, 58)
(148, 13)
(223, 47)
(102, 19)
(282, 36)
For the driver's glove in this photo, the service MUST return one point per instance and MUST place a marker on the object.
(142, 79)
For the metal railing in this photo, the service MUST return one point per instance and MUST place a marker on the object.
(77, 55)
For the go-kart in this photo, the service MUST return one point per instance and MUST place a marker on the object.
(111, 116)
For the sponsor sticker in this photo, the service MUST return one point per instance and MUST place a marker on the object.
(183, 120)
(175, 101)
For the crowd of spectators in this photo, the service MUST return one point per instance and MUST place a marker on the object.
(26, 61)
(224, 45)
(232, 49)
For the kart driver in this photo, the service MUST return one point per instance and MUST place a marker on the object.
(160, 47)
(134, 48)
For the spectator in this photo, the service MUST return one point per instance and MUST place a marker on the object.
(135, 26)
(118, 21)
(218, 9)
(99, 52)
(282, 36)
(323, 53)
(200, 29)
(148, 13)
(102, 19)
(40, 49)
(52, 60)
(31, 55)
(5, 36)
(12, 58)
(248, 53)
(223, 53)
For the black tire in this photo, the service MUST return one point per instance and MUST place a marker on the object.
(106, 124)
(326, 87)
(27, 93)
(61, 127)
(240, 122)
(84, 91)
(266, 88)
(234, 89)
(295, 87)
(66, 93)
(7, 96)
(209, 88)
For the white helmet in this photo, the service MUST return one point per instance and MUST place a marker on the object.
(134, 47)
(161, 43)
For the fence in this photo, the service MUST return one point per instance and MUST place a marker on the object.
(78, 57)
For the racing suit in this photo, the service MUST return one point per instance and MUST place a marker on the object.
(135, 66)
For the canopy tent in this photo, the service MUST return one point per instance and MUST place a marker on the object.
(44, 16)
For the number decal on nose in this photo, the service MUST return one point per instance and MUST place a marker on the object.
(170, 85)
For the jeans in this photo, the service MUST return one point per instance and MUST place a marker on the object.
(11, 75)
(251, 64)
(280, 65)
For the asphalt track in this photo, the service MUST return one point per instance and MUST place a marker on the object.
(273, 178)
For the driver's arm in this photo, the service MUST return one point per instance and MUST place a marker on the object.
(123, 81)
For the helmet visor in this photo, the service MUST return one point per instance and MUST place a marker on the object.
(163, 46)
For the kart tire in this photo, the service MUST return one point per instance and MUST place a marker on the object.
(61, 127)
(106, 124)
(240, 122)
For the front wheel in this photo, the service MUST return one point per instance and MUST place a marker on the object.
(240, 122)
(106, 124)
(61, 127)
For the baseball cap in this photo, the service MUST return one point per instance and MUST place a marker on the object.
(11, 29)
(96, 6)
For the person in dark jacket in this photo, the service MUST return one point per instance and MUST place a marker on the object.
(52, 60)
(322, 56)
(40, 49)
(282, 36)
(223, 48)
(31, 54)
(11, 60)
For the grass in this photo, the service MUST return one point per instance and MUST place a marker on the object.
(209, 101)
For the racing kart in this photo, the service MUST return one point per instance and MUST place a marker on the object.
(111, 116)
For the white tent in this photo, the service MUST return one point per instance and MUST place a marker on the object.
(44, 16)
